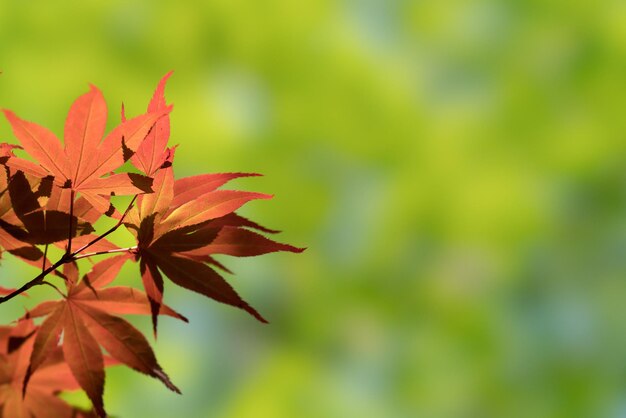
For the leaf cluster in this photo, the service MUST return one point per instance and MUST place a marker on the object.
(54, 195)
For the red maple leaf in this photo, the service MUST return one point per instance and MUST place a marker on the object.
(32, 211)
(176, 219)
(53, 376)
(47, 223)
(13, 233)
(84, 316)
(9, 221)
(86, 158)
(183, 224)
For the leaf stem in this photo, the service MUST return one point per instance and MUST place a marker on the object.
(117, 250)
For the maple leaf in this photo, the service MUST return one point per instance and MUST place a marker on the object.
(86, 157)
(181, 208)
(85, 318)
(45, 224)
(53, 375)
(32, 212)
(9, 222)
(182, 224)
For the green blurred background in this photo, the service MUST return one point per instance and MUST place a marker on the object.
(457, 170)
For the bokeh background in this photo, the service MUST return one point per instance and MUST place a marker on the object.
(457, 170)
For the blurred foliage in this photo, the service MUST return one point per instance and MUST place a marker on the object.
(456, 169)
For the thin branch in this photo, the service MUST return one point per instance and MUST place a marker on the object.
(118, 250)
